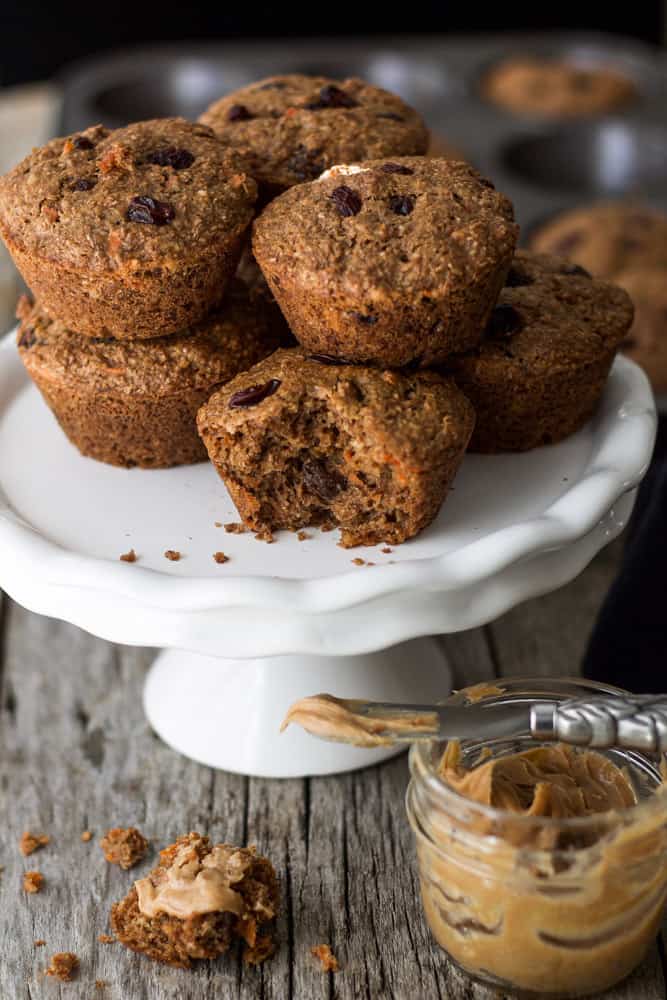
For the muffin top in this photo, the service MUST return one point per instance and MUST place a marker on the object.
(235, 337)
(291, 128)
(384, 228)
(397, 415)
(607, 237)
(555, 87)
(550, 316)
(155, 194)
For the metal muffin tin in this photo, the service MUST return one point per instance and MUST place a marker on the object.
(543, 165)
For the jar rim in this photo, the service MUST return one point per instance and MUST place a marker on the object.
(423, 769)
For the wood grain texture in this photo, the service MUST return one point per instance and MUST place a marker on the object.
(76, 753)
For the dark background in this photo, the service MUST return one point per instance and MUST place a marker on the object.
(38, 39)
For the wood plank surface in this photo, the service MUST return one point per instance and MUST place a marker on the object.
(76, 753)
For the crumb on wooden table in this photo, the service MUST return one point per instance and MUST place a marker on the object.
(124, 846)
(303, 536)
(173, 555)
(100, 984)
(87, 836)
(39, 943)
(234, 528)
(31, 842)
(130, 556)
(106, 938)
(220, 557)
(33, 882)
(327, 959)
(64, 966)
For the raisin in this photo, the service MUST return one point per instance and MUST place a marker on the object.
(517, 278)
(391, 115)
(328, 359)
(83, 184)
(505, 320)
(238, 113)
(28, 338)
(366, 318)
(149, 211)
(575, 270)
(306, 163)
(254, 394)
(81, 142)
(332, 96)
(171, 156)
(324, 483)
(346, 200)
(395, 168)
(401, 204)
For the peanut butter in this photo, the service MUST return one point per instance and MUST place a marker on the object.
(342, 720)
(192, 886)
(541, 872)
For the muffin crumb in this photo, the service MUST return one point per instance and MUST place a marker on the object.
(234, 528)
(217, 524)
(124, 847)
(39, 943)
(31, 842)
(220, 557)
(303, 536)
(263, 948)
(106, 938)
(86, 836)
(130, 556)
(358, 561)
(64, 966)
(326, 957)
(33, 882)
(100, 984)
(173, 555)
(387, 551)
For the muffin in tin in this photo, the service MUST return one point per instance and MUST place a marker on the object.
(389, 262)
(556, 88)
(540, 370)
(302, 440)
(132, 233)
(289, 129)
(134, 403)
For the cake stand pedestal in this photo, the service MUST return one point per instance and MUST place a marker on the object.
(243, 640)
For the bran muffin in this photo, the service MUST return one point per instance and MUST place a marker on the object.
(289, 129)
(133, 403)
(556, 88)
(389, 262)
(197, 902)
(133, 233)
(607, 237)
(541, 368)
(646, 342)
(303, 440)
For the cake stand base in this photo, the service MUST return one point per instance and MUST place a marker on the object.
(227, 713)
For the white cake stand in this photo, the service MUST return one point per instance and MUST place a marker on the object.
(244, 639)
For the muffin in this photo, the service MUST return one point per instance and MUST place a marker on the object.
(390, 262)
(556, 88)
(302, 440)
(541, 368)
(646, 343)
(133, 403)
(291, 128)
(132, 233)
(197, 902)
(607, 237)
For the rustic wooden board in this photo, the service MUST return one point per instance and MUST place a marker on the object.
(76, 753)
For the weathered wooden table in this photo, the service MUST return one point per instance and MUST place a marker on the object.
(76, 753)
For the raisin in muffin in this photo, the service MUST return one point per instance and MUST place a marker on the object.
(389, 262)
(302, 440)
(197, 902)
(555, 88)
(540, 371)
(132, 233)
(291, 128)
(646, 343)
(607, 237)
(133, 403)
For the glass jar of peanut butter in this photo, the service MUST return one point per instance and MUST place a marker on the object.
(543, 867)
